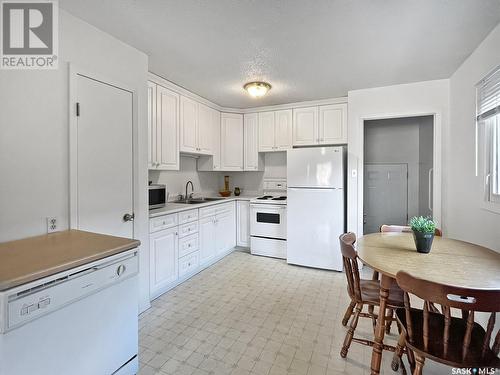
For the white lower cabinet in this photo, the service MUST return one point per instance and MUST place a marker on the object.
(184, 243)
(225, 231)
(164, 252)
(207, 239)
(243, 223)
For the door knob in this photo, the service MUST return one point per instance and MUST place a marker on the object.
(128, 217)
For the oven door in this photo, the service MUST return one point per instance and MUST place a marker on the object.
(268, 221)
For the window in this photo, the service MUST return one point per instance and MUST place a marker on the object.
(488, 123)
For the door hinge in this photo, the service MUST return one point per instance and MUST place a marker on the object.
(77, 109)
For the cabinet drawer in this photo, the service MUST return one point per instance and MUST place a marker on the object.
(189, 263)
(187, 229)
(188, 244)
(188, 216)
(207, 211)
(223, 208)
(162, 222)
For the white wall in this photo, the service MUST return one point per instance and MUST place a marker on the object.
(414, 99)
(464, 217)
(210, 183)
(205, 183)
(34, 135)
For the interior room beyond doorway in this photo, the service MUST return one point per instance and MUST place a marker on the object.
(398, 170)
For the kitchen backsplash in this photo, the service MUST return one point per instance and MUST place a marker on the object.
(209, 183)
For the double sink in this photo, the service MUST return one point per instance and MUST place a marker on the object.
(197, 200)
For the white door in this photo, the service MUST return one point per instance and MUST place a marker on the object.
(315, 220)
(333, 124)
(207, 233)
(164, 254)
(104, 166)
(305, 126)
(385, 196)
(283, 129)
(205, 132)
(315, 167)
(243, 223)
(189, 125)
(232, 142)
(251, 128)
(167, 133)
(152, 160)
(266, 131)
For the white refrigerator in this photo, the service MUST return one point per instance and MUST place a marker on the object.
(315, 206)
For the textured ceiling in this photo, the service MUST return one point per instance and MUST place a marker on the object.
(306, 49)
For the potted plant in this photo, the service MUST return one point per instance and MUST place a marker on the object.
(423, 233)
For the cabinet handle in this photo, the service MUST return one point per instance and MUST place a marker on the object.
(176, 233)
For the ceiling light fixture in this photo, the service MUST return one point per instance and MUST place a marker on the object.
(257, 89)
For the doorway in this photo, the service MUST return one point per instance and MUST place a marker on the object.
(398, 162)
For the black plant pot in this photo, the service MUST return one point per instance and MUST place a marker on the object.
(423, 241)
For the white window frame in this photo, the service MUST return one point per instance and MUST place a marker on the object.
(488, 141)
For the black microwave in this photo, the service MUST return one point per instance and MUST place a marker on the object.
(157, 195)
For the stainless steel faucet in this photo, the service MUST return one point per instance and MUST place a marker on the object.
(192, 190)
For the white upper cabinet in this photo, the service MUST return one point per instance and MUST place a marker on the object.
(326, 124)
(205, 130)
(151, 125)
(189, 125)
(196, 127)
(266, 131)
(163, 128)
(231, 142)
(333, 124)
(253, 161)
(305, 126)
(283, 129)
(275, 130)
(216, 139)
(167, 122)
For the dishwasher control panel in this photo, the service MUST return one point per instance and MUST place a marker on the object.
(68, 287)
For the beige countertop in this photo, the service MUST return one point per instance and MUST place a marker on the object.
(171, 208)
(33, 258)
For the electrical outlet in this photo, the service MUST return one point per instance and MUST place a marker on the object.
(51, 224)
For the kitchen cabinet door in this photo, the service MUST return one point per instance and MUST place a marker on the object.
(151, 125)
(305, 126)
(283, 130)
(252, 160)
(205, 132)
(266, 132)
(243, 223)
(231, 142)
(167, 129)
(225, 237)
(333, 124)
(216, 139)
(207, 235)
(189, 125)
(164, 253)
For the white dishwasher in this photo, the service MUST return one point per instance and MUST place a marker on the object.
(81, 321)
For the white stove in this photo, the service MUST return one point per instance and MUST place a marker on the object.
(268, 220)
(270, 199)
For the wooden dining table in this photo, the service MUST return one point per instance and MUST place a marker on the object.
(450, 262)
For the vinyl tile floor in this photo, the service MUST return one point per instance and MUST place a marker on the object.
(256, 315)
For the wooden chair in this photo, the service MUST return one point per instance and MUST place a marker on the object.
(453, 341)
(362, 292)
